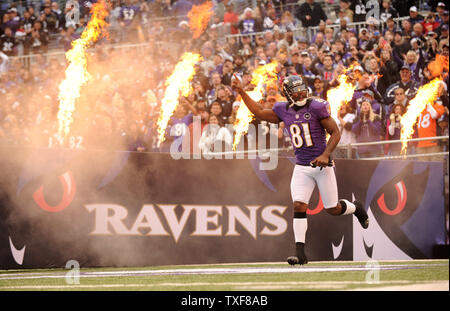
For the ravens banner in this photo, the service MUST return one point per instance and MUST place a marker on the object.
(138, 209)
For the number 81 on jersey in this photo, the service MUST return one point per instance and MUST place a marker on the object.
(296, 137)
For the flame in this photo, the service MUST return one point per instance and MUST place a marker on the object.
(199, 17)
(427, 94)
(340, 95)
(177, 82)
(261, 76)
(437, 66)
(76, 72)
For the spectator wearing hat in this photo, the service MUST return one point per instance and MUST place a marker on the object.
(272, 90)
(430, 23)
(320, 87)
(387, 11)
(310, 14)
(399, 99)
(406, 83)
(13, 20)
(414, 16)
(363, 39)
(365, 90)
(443, 24)
(235, 107)
(440, 9)
(399, 48)
(443, 37)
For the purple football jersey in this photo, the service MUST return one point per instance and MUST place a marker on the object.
(308, 136)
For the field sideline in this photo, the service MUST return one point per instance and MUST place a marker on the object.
(428, 275)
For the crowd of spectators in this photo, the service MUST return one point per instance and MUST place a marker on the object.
(118, 108)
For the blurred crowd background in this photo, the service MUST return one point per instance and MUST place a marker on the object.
(389, 45)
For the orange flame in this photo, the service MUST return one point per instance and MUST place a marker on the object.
(340, 95)
(261, 76)
(178, 82)
(437, 66)
(427, 94)
(199, 17)
(76, 72)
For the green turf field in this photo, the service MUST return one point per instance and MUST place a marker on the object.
(337, 275)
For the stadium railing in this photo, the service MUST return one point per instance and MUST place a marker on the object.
(347, 151)
(311, 31)
(350, 147)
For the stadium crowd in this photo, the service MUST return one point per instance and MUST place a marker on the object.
(389, 60)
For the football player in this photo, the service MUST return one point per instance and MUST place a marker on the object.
(307, 120)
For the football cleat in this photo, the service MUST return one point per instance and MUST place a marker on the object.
(300, 259)
(361, 214)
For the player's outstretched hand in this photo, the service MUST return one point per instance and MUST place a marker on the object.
(236, 82)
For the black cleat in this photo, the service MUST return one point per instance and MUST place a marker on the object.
(361, 214)
(300, 259)
(294, 260)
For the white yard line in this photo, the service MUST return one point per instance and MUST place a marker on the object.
(207, 271)
(242, 285)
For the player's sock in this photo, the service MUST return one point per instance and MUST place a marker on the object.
(347, 207)
(300, 226)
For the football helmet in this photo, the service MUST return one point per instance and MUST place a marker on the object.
(295, 90)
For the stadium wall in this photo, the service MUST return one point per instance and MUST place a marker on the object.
(139, 209)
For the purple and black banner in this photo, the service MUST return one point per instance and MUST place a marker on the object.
(138, 209)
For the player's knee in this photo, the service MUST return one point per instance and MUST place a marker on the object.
(300, 207)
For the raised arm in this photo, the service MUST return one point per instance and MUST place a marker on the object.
(264, 114)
